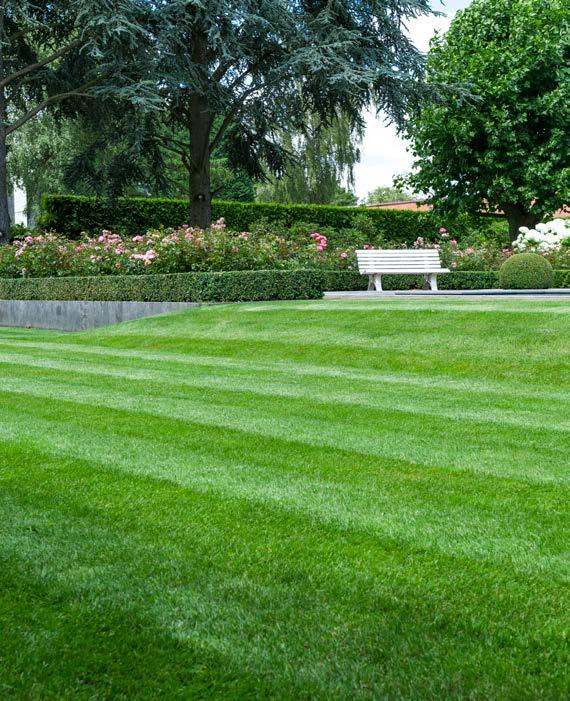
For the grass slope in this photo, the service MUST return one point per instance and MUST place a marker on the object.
(291, 501)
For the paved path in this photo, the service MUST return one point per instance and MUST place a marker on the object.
(557, 294)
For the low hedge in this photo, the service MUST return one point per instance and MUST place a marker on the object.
(469, 280)
(71, 215)
(462, 280)
(561, 279)
(237, 286)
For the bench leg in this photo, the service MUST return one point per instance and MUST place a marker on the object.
(377, 282)
(433, 281)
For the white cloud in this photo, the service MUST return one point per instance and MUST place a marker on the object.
(383, 152)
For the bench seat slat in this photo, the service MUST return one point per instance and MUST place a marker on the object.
(399, 256)
(399, 261)
(404, 271)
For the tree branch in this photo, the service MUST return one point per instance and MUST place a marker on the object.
(49, 101)
(40, 64)
(222, 129)
(168, 147)
(221, 70)
(232, 114)
(183, 144)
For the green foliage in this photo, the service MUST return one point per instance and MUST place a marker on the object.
(561, 279)
(256, 74)
(321, 159)
(66, 57)
(508, 143)
(39, 153)
(234, 286)
(71, 215)
(343, 197)
(388, 194)
(526, 271)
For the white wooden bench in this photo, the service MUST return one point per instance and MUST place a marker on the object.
(376, 263)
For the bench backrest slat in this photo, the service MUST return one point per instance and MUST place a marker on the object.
(414, 260)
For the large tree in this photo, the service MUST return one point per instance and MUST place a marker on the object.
(249, 71)
(51, 52)
(321, 164)
(508, 147)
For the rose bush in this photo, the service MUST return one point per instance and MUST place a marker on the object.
(166, 251)
(270, 247)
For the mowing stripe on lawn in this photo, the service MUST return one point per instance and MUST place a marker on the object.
(288, 501)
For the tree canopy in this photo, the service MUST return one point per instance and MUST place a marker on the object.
(51, 52)
(252, 70)
(388, 194)
(205, 81)
(321, 166)
(508, 146)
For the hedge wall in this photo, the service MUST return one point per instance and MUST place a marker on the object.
(472, 280)
(467, 280)
(238, 286)
(70, 215)
(561, 279)
(241, 286)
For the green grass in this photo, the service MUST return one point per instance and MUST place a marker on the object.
(315, 500)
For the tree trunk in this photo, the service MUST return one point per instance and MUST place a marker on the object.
(199, 126)
(518, 217)
(4, 209)
(199, 166)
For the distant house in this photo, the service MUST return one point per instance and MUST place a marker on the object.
(408, 204)
(418, 206)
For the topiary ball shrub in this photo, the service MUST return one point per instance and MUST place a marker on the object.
(526, 271)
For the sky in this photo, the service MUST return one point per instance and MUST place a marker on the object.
(383, 152)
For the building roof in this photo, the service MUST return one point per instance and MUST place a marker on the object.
(419, 206)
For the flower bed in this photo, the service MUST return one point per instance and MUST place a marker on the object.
(167, 251)
(266, 247)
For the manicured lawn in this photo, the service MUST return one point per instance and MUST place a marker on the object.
(342, 500)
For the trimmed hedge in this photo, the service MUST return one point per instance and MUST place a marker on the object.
(561, 279)
(463, 280)
(237, 286)
(469, 280)
(71, 215)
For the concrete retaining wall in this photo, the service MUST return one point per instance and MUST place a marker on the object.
(78, 316)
